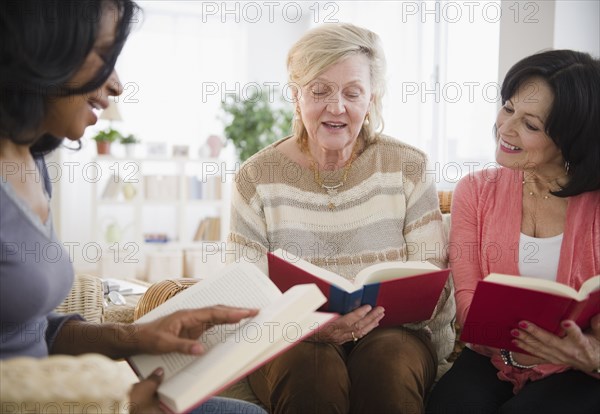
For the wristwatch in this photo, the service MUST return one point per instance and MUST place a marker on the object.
(507, 358)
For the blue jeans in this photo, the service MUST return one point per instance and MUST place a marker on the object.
(219, 405)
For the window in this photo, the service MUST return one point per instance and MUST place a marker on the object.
(442, 58)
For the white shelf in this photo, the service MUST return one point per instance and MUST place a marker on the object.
(178, 216)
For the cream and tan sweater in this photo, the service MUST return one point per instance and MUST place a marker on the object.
(386, 210)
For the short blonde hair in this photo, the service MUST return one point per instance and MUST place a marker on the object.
(326, 45)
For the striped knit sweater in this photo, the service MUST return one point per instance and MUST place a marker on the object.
(386, 210)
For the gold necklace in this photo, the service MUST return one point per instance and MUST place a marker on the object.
(531, 193)
(332, 189)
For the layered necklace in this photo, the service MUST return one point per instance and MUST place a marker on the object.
(547, 193)
(332, 189)
(531, 193)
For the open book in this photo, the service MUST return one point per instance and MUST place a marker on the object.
(501, 301)
(234, 350)
(408, 291)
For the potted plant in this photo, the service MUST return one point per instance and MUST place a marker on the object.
(104, 138)
(252, 124)
(128, 143)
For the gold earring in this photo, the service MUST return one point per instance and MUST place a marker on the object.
(297, 115)
(367, 120)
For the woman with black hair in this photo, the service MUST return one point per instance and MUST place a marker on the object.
(57, 63)
(541, 212)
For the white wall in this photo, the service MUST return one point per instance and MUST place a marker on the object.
(577, 26)
(526, 27)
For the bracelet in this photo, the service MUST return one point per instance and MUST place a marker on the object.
(508, 359)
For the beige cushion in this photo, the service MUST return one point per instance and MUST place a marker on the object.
(87, 383)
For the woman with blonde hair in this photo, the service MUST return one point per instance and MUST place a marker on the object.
(344, 196)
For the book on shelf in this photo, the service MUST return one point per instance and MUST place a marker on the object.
(408, 290)
(232, 351)
(500, 302)
(161, 187)
(212, 188)
(112, 188)
(209, 229)
(194, 188)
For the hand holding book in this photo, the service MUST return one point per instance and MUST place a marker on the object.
(502, 303)
(408, 291)
(350, 327)
(179, 331)
(578, 349)
(232, 350)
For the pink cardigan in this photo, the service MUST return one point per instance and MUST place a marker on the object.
(484, 238)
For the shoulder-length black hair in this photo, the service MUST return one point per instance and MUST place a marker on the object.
(44, 43)
(574, 120)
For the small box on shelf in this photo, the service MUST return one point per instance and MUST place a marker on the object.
(161, 187)
(203, 261)
(167, 264)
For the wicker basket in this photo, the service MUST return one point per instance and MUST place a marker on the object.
(85, 298)
(159, 293)
(445, 199)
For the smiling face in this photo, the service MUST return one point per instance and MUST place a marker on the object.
(69, 116)
(334, 105)
(521, 140)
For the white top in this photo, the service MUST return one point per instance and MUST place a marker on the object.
(539, 257)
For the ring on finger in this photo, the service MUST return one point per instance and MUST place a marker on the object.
(354, 338)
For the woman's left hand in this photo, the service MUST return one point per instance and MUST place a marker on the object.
(351, 326)
(580, 350)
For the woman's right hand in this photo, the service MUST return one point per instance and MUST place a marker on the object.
(351, 326)
(143, 398)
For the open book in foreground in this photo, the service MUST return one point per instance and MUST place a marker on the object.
(232, 351)
(501, 301)
(408, 291)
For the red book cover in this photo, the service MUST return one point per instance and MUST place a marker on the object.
(405, 298)
(496, 309)
(410, 299)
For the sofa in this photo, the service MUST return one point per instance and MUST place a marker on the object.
(93, 383)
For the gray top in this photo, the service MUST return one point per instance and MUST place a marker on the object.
(35, 276)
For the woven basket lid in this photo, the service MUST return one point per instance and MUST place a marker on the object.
(159, 293)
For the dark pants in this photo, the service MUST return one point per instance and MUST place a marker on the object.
(472, 387)
(387, 371)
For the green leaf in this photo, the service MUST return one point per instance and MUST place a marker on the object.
(252, 124)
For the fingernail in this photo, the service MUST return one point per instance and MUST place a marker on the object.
(514, 332)
(196, 349)
(159, 371)
(567, 324)
(515, 342)
(523, 325)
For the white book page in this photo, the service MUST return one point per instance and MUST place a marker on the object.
(274, 329)
(317, 271)
(589, 286)
(540, 285)
(381, 272)
(241, 285)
